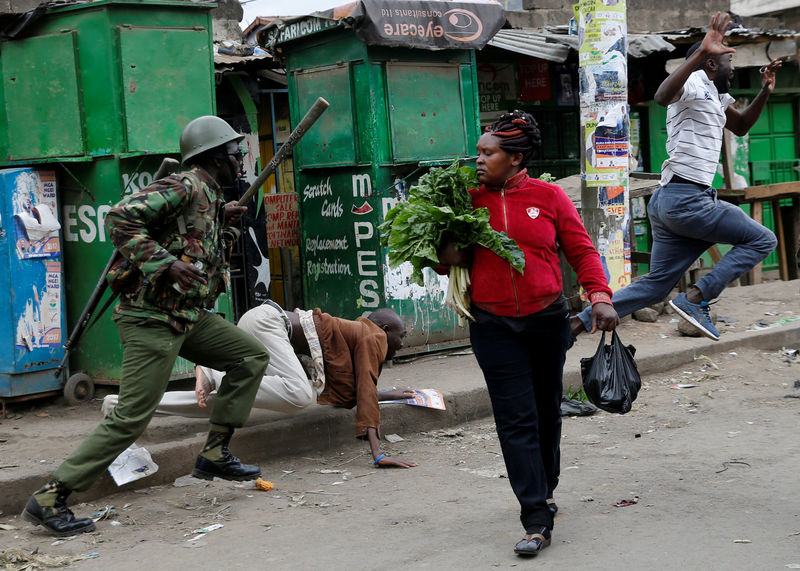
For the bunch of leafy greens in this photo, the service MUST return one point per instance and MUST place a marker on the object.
(439, 208)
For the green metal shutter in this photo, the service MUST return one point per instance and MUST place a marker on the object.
(425, 111)
(163, 69)
(42, 90)
(332, 140)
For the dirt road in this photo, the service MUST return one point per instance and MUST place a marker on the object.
(713, 470)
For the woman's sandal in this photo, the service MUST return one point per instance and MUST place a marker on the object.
(533, 543)
(551, 503)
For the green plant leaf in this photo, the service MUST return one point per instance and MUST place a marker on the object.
(440, 206)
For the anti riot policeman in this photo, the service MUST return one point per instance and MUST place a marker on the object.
(172, 237)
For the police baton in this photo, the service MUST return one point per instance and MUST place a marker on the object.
(168, 166)
(311, 117)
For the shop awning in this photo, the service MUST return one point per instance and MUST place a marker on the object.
(734, 36)
(261, 64)
(234, 61)
(422, 24)
(534, 43)
(754, 47)
(642, 45)
(553, 44)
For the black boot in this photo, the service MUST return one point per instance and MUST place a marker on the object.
(215, 461)
(48, 508)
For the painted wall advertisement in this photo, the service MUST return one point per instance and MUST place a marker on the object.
(602, 74)
(340, 244)
(346, 268)
(32, 260)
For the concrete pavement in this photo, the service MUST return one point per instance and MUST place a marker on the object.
(765, 316)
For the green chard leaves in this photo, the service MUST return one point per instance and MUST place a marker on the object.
(439, 206)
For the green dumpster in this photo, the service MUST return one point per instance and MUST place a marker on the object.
(403, 96)
(100, 92)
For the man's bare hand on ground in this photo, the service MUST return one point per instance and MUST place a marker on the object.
(389, 462)
(396, 394)
(379, 458)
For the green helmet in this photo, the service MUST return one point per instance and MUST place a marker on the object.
(205, 133)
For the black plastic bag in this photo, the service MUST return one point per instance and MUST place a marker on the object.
(610, 378)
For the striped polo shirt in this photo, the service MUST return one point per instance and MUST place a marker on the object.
(694, 131)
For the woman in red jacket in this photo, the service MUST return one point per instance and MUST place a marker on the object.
(521, 331)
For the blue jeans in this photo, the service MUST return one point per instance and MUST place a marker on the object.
(686, 220)
(522, 359)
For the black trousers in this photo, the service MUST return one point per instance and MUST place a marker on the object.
(522, 359)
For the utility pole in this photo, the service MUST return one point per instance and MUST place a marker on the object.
(605, 125)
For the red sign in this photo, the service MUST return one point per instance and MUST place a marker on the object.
(534, 79)
(283, 220)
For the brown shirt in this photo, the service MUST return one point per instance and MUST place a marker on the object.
(354, 352)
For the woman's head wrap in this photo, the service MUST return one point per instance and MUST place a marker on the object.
(518, 133)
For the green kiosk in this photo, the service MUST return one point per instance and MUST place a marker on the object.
(401, 81)
(98, 93)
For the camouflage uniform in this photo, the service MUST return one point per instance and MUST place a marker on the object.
(179, 217)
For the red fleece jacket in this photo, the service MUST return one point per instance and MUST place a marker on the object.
(541, 218)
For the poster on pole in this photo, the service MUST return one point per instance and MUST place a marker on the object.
(606, 142)
(603, 86)
(601, 31)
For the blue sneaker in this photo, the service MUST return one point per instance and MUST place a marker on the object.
(696, 314)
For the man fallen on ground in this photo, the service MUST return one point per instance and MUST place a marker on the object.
(686, 216)
(347, 358)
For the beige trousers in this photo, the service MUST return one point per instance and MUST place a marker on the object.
(285, 387)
